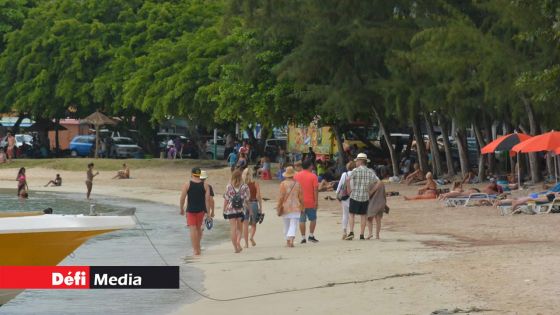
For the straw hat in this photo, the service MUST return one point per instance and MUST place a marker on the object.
(361, 156)
(289, 172)
(203, 174)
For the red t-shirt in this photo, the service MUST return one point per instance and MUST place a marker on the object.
(309, 183)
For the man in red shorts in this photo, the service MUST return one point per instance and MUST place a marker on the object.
(196, 193)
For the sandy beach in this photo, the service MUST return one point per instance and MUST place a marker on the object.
(429, 257)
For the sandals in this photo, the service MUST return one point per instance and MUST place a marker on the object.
(350, 236)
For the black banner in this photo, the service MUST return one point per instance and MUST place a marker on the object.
(134, 277)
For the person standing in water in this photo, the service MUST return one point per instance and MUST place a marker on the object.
(89, 179)
(196, 194)
(22, 183)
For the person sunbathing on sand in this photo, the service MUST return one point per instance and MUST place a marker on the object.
(429, 191)
(515, 203)
(456, 191)
(124, 173)
(415, 176)
(56, 182)
(493, 188)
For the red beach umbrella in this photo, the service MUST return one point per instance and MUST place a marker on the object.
(549, 141)
(504, 143)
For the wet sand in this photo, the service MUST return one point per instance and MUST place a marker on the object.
(429, 258)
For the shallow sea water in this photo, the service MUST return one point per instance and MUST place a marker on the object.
(121, 248)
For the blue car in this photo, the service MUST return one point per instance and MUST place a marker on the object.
(82, 146)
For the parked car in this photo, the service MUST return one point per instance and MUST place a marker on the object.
(81, 146)
(220, 148)
(124, 147)
(20, 140)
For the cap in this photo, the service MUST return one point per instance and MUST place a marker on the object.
(196, 171)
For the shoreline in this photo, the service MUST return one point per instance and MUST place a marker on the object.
(467, 258)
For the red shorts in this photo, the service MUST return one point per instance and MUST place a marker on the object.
(195, 218)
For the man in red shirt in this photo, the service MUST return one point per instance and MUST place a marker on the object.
(310, 186)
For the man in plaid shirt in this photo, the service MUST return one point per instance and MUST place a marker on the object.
(360, 180)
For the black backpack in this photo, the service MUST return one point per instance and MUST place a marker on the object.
(237, 200)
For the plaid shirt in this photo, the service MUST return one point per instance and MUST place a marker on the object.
(360, 180)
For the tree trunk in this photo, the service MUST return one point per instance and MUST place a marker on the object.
(549, 166)
(481, 143)
(489, 137)
(462, 148)
(265, 132)
(387, 137)
(420, 148)
(434, 148)
(533, 163)
(197, 140)
(409, 143)
(341, 161)
(56, 139)
(446, 146)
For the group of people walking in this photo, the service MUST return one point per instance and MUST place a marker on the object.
(359, 191)
(242, 207)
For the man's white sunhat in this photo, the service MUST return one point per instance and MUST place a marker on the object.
(361, 156)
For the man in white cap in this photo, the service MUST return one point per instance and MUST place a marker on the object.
(360, 180)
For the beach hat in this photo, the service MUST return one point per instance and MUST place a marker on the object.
(361, 156)
(289, 172)
(203, 174)
(196, 171)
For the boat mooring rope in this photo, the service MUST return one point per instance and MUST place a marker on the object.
(328, 285)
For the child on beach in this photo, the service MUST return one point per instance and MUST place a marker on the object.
(56, 182)
(232, 160)
(236, 200)
(254, 211)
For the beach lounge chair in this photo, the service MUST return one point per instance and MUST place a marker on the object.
(471, 200)
(544, 208)
(532, 207)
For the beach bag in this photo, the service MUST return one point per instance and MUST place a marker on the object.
(280, 209)
(237, 200)
(343, 193)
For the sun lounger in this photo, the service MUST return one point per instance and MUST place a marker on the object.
(471, 200)
(532, 207)
(544, 208)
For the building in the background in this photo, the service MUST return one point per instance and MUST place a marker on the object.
(73, 128)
